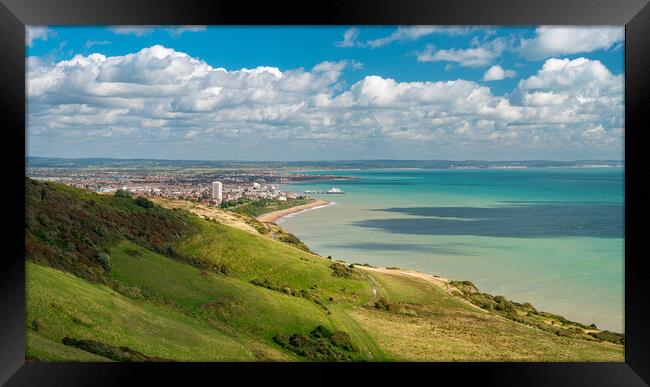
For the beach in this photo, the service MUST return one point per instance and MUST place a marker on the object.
(275, 215)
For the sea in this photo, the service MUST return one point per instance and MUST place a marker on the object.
(553, 237)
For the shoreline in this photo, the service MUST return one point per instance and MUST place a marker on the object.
(275, 215)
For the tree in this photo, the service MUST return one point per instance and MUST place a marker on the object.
(143, 202)
(121, 193)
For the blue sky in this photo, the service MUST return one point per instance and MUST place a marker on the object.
(326, 92)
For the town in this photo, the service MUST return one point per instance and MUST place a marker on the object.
(206, 186)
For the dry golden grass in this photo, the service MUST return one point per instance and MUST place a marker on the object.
(207, 212)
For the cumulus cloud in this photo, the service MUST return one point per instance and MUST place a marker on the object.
(555, 40)
(478, 56)
(497, 73)
(37, 33)
(160, 94)
(581, 96)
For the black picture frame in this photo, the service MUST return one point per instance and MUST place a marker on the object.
(15, 14)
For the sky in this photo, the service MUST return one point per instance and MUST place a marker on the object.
(326, 93)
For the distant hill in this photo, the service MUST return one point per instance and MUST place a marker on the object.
(121, 278)
(47, 162)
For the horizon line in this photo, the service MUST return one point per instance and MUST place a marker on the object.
(312, 161)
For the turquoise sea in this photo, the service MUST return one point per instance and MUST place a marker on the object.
(553, 237)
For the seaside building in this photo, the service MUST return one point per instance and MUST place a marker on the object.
(217, 191)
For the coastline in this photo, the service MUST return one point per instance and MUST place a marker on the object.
(275, 215)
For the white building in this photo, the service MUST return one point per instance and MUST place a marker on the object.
(217, 191)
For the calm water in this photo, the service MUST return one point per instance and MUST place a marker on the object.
(552, 237)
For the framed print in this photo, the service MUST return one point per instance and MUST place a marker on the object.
(372, 188)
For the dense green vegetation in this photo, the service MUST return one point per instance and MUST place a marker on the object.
(112, 277)
(320, 344)
(72, 229)
(526, 314)
(257, 207)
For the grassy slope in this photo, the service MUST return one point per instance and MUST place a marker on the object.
(257, 207)
(167, 308)
(435, 325)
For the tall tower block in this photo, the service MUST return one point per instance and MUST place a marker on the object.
(217, 191)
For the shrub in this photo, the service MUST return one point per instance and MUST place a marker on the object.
(384, 304)
(340, 270)
(321, 331)
(109, 351)
(143, 202)
(616, 338)
(104, 260)
(120, 193)
(343, 340)
(320, 344)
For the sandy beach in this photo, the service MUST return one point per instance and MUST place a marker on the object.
(275, 215)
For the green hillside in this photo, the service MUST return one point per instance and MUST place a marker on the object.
(123, 279)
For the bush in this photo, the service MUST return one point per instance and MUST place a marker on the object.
(143, 202)
(321, 331)
(612, 337)
(120, 193)
(340, 270)
(343, 340)
(109, 351)
(320, 344)
(384, 304)
(104, 260)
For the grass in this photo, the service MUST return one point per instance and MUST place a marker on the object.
(214, 292)
(60, 300)
(257, 207)
(256, 257)
(236, 305)
(441, 327)
(39, 347)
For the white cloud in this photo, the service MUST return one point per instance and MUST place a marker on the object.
(37, 33)
(161, 94)
(178, 31)
(138, 31)
(93, 43)
(497, 73)
(349, 38)
(409, 33)
(481, 55)
(580, 96)
(557, 40)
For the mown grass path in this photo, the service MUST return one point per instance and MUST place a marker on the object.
(352, 327)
